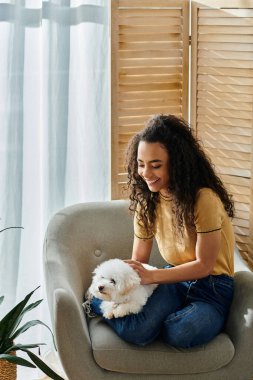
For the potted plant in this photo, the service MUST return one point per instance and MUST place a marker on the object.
(9, 332)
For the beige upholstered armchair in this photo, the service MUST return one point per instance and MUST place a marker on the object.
(80, 237)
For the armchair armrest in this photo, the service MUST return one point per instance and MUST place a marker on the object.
(239, 325)
(65, 298)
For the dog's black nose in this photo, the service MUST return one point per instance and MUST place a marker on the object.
(100, 288)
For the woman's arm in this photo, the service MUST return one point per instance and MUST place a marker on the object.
(207, 249)
(142, 249)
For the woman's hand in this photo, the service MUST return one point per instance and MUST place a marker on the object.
(146, 275)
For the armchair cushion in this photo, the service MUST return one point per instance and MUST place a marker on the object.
(112, 353)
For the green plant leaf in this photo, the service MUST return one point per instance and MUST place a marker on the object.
(25, 327)
(17, 347)
(4, 344)
(26, 309)
(1, 299)
(9, 228)
(17, 360)
(29, 325)
(31, 306)
(42, 366)
(12, 319)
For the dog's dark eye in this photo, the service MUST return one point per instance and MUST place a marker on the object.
(113, 281)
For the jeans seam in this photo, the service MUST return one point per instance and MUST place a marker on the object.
(222, 281)
(217, 294)
(189, 288)
(175, 317)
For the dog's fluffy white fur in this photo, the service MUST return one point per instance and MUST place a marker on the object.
(118, 285)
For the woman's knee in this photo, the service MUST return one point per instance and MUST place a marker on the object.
(178, 331)
(194, 325)
(94, 305)
(182, 336)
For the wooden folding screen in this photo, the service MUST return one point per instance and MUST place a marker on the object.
(222, 100)
(150, 40)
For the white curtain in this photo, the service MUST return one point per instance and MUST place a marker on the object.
(54, 126)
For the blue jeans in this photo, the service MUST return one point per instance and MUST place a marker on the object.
(184, 314)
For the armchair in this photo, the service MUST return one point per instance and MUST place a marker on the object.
(78, 238)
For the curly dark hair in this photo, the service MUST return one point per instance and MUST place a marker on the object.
(189, 170)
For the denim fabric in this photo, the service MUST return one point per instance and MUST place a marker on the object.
(184, 314)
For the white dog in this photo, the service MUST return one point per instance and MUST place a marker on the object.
(118, 285)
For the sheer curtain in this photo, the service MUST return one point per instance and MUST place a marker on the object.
(54, 126)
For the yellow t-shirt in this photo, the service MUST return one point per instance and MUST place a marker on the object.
(210, 215)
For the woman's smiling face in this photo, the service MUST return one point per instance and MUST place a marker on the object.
(153, 166)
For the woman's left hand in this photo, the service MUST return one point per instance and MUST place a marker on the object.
(145, 274)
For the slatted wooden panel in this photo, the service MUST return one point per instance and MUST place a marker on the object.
(149, 58)
(222, 101)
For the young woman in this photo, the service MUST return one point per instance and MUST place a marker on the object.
(178, 199)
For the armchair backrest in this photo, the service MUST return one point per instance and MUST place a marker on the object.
(82, 236)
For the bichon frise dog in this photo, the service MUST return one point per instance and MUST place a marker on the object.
(118, 285)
